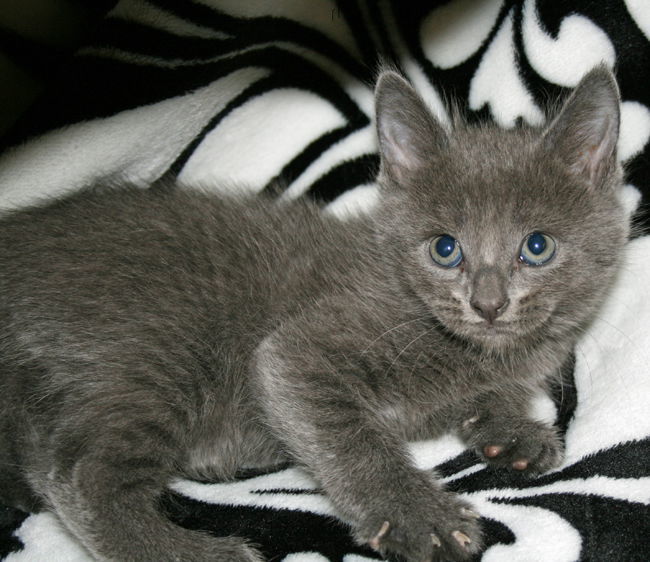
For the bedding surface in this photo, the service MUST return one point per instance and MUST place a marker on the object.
(232, 93)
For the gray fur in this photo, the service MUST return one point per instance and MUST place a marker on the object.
(146, 335)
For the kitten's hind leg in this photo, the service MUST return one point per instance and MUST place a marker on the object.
(108, 496)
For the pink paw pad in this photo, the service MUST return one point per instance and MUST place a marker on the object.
(520, 464)
(492, 451)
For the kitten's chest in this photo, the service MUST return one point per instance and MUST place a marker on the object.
(432, 384)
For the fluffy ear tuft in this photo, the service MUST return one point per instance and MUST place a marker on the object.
(409, 135)
(585, 133)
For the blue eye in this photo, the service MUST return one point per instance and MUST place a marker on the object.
(537, 249)
(445, 251)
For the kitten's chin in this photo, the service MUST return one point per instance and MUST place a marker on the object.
(492, 336)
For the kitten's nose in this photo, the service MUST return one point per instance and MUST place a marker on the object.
(490, 309)
(489, 296)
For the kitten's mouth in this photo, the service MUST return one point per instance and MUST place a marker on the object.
(495, 332)
(497, 328)
(499, 333)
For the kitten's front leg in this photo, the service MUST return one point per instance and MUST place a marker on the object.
(503, 434)
(327, 418)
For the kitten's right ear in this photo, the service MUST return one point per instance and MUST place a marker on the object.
(585, 133)
(409, 136)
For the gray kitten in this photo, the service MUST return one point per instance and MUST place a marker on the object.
(147, 335)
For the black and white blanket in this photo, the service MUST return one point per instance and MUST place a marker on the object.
(245, 92)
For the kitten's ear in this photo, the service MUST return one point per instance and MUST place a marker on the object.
(409, 135)
(585, 133)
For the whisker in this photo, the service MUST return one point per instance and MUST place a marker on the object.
(397, 327)
(618, 330)
(586, 333)
(409, 344)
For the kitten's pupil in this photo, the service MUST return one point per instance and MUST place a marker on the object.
(536, 243)
(445, 246)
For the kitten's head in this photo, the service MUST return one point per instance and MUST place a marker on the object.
(504, 235)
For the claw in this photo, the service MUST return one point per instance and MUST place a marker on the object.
(521, 464)
(435, 540)
(383, 531)
(461, 538)
(470, 421)
(469, 513)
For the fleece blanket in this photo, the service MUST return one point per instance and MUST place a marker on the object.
(248, 92)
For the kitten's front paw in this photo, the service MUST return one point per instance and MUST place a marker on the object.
(523, 445)
(444, 529)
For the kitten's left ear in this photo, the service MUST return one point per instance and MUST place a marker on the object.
(409, 135)
(585, 133)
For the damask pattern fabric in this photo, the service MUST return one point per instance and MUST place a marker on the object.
(277, 96)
